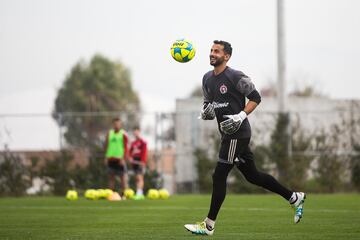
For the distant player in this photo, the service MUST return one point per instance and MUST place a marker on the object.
(225, 90)
(116, 152)
(138, 152)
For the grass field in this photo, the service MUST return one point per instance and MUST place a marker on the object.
(242, 217)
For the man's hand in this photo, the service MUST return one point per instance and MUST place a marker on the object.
(132, 161)
(208, 112)
(137, 162)
(233, 123)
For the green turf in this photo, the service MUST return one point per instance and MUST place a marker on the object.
(242, 217)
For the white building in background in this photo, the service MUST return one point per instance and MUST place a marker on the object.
(312, 114)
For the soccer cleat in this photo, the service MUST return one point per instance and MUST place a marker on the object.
(298, 205)
(199, 229)
(138, 197)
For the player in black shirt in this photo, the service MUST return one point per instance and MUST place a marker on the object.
(225, 91)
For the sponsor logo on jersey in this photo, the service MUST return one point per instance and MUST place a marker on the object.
(223, 89)
(220, 105)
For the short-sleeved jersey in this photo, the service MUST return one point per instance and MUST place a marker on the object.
(138, 150)
(227, 91)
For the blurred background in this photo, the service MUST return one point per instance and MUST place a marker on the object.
(68, 67)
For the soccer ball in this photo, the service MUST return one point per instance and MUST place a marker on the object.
(182, 50)
(164, 194)
(107, 193)
(129, 193)
(91, 194)
(104, 193)
(101, 193)
(153, 194)
(72, 195)
(114, 197)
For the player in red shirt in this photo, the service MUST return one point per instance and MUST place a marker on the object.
(138, 151)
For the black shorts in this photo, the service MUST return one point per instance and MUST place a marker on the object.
(235, 150)
(115, 168)
(137, 167)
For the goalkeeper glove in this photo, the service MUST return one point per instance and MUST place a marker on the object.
(233, 123)
(208, 112)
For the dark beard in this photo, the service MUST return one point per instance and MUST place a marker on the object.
(217, 62)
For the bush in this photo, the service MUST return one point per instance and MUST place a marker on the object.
(205, 169)
(14, 175)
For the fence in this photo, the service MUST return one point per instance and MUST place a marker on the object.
(317, 128)
(173, 137)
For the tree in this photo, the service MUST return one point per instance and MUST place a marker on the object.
(206, 161)
(355, 169)
(197, 92)
(355, 144)
(239, 183)
(279, 147)
(14, 175)
(291, 168)
(205, 168)
(300, 162)
(98, 86)
(57, 173)
(307, 91)
(331, 166)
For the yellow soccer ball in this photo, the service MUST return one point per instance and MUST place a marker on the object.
(182, 50)
(101, 193)
(164, 194)
(108, 193)
(129, 193)
(153, 194)
(72, 195)
(91, 194)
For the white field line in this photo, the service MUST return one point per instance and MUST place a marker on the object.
(73, 207)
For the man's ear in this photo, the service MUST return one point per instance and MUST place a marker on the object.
(227, 57)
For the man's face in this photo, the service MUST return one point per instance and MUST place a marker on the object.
(137, 133)
(217, 55)
(117, 124)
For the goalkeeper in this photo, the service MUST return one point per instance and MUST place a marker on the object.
(225, 90)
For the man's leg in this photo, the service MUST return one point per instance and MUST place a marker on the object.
(139, 177)
(139, 184)
(218, 195)
(223, 167)
(112, 181)
(219, 188)
(123, 178)
(247, 167)
(111, 174)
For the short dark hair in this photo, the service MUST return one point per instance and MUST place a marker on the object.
(137, 127)
(226, 45)
(115, 119)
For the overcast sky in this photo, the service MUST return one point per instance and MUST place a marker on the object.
(40, 40)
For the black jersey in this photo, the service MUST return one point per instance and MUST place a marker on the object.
(227, 91)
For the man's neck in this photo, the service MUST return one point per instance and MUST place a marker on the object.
(219, 69)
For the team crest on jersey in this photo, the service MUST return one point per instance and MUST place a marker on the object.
(223, 89)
